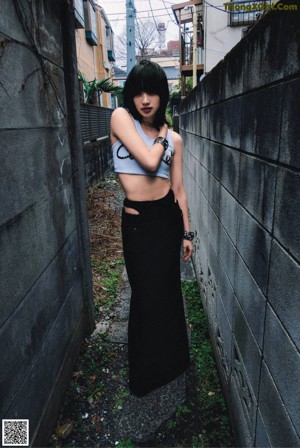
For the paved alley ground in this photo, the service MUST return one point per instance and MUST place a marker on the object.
(97, 410)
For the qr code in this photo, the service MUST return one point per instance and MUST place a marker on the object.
(15, 432)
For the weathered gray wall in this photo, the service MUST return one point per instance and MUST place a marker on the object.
(46, 301)
(241, 134)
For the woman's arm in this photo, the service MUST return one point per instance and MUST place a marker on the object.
(179, 192)
(123, 129)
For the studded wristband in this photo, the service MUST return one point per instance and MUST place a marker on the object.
(188, 236)
(163, 141)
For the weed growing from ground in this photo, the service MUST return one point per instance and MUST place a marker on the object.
(213, 413)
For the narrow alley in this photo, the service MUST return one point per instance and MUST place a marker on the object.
(97, 409)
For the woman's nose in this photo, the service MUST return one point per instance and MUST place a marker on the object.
(145, 98)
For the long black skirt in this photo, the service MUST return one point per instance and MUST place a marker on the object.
(157, 336)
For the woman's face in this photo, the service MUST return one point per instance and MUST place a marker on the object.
(147, 104)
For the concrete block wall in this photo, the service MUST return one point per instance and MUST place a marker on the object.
(240, 128)
(45, 298)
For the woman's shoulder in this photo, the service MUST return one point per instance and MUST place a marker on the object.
(176, 137)
(121, 117)
(120, 112)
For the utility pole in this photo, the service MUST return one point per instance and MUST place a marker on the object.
(130, 34)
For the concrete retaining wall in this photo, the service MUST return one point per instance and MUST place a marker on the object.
(240, 128)
(46, 294)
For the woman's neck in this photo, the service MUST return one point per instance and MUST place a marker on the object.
(149, 124)
(151, 131)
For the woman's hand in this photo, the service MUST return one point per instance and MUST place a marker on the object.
(187, 247)
(163, 131)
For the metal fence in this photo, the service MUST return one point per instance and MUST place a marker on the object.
(95, 122)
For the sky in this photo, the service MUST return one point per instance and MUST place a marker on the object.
(156, 10)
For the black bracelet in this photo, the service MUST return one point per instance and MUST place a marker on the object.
(188, 236)
(163, 141)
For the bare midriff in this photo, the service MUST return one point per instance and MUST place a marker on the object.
(144, 188)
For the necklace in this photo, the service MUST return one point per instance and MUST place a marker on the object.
(147, 123)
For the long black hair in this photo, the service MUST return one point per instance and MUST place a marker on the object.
(147, 77)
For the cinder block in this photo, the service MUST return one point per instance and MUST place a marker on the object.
(264, 61)
(284, 290)
(279, 427)
(261, 437)
(250, 60)
(287, 210)
(260, 132)
(231, 123)
(246, 349)
(45, 368)
(212, 225)
(230, 161)
(27, 327)
(33, 240)
(225, 291)
(205, 122)
(227, 253)
(223, 339)
(290, 131)
(214, 84)
(283, 361)
(257, 189)
(232, 73)
(49, 34)
(251, 300)
(245, 400)
(34, 164)
(254, 244)
(212, 158)
(196, 147)
(202, 211)
(228, 213)
(216, 118)
(280, 31)
(241, 426)
(27, 98)
(10, 25)
(213, 193)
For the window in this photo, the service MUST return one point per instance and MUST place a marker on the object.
(90, 23)
(79, 13)
(245, 12)
(109, 44)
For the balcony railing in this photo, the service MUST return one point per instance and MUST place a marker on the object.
(95, 122)
(245, 12)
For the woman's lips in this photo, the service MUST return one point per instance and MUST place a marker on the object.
(146, 110)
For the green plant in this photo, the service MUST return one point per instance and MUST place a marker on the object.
(125, 443)
(175, 97)
(109, 275)
(171, 424)
(214, 417)
(182, 409)
(103, 85)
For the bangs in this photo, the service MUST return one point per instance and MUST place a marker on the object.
(147, 79)
(150, 78)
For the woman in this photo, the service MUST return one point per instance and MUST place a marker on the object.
(148, 160)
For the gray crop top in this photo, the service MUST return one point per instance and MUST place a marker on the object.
(125, 163)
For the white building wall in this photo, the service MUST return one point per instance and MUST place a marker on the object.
(219, 37)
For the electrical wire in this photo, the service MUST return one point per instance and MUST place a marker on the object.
(152, 14)
(167, 9)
